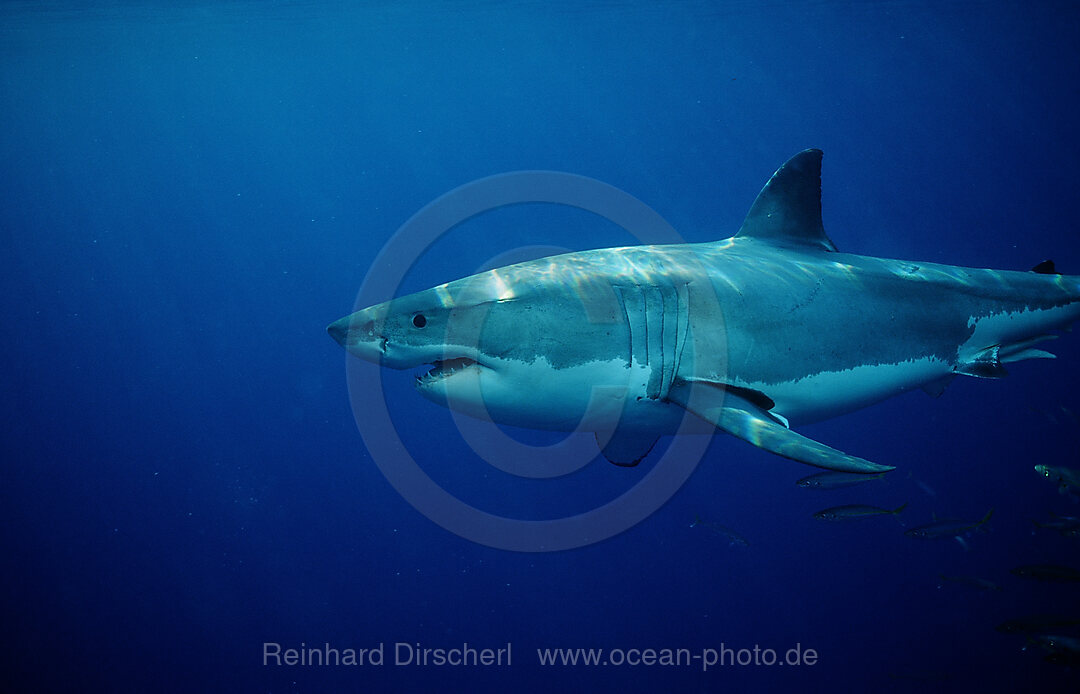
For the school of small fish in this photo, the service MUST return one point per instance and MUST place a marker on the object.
(1055, 635)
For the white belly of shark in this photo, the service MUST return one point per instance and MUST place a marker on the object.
(833, 393)
(588, 397)
(784, 329)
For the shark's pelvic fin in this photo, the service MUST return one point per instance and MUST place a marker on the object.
(988, 362)
(788, 209)
(626, 447)
(739, 417)
(935, 388)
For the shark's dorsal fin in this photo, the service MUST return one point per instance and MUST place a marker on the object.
(788, 209)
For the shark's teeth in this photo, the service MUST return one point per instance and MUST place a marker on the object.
(445, 367)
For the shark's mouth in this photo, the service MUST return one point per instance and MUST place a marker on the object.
(445, 368)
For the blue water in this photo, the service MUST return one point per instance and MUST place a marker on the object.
(192, 191)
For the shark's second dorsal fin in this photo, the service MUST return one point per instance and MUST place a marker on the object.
(788, 208)
(1046, 267)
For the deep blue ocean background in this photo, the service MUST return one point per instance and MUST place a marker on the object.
(192, 191)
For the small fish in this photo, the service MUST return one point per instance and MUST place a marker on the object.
(1068, 659)
(926, 488)
(1048, 572)
(853, 511)
(1066, 478)
(1037, 622)
(1056, 644)
(1066, 525)
(948, 528)
(734, 539)
(971, 582)
(1045, 413)
(831, 479)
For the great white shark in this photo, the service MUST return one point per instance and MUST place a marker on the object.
(754, 334)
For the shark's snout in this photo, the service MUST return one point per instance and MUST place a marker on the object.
(358, 336)
(339, 330)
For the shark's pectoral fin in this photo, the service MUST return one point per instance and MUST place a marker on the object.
(626, 447)
(742, 418)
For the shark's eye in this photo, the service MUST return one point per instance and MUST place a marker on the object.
(419, 321)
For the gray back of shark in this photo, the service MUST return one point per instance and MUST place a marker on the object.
(754, 333)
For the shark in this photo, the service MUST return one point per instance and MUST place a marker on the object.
(754, 334)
